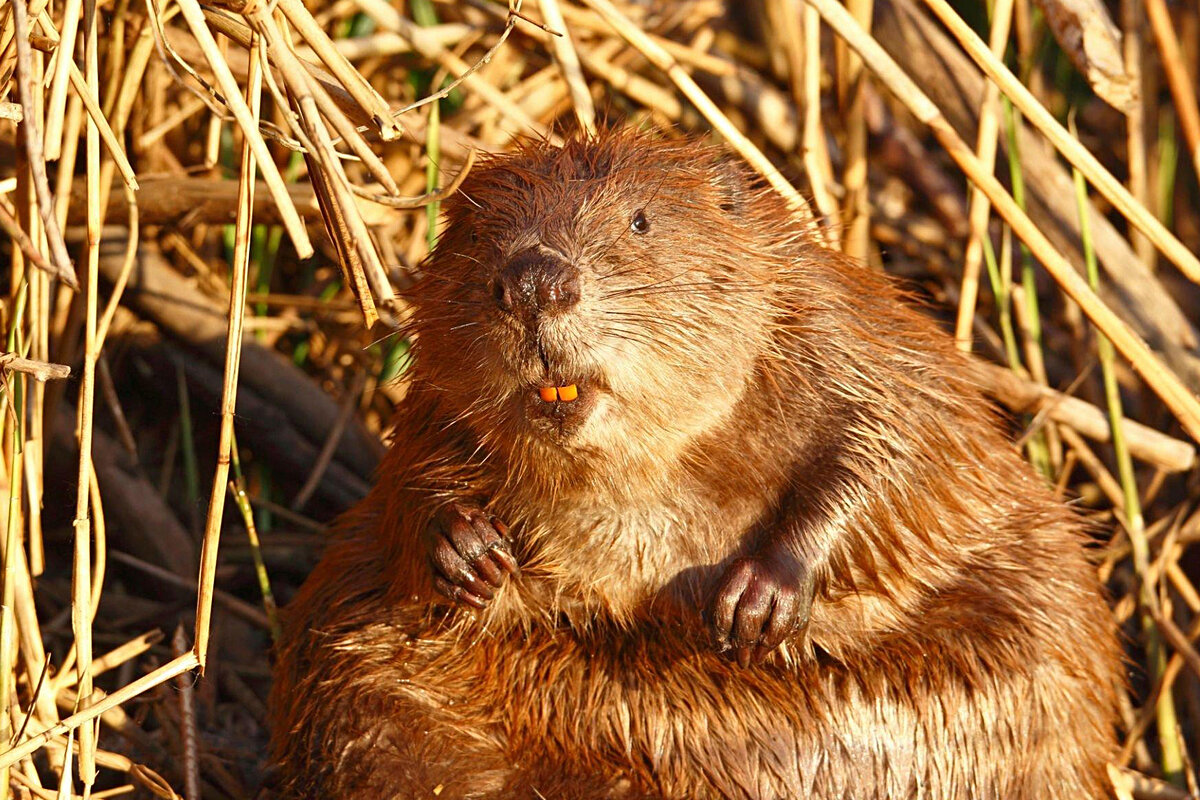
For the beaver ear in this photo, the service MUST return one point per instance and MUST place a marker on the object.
(734, 186)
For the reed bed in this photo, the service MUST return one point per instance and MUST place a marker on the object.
(208, 211)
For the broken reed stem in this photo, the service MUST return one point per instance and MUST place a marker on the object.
(568, 62)
(986, 145)
(660, 58)
(1078, 155)
(40, 370)
(33, 149)
(233, 359)
(1161, 380)
(1174, 66)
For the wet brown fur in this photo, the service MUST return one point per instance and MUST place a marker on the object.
(958, 646)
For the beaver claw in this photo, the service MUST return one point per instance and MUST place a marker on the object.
(758, 605)
(471, 554)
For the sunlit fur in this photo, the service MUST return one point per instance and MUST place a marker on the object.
(750, 385)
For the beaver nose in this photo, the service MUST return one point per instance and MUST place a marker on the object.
(534, 283)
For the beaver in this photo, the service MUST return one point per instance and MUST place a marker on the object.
(682, 505)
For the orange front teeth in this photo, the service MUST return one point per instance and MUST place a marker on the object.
(564, 393)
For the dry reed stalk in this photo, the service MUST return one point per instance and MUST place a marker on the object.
(568, 60)
(29, 632)
(8, 635)
(348, 133)
(663, 60)
(1161, 380)
(33, 487)
(343, 222)
(64, 57)
(103, 129)
(81, 600)
(1135, 120)
(194, 17)
(133, 227)
(986, 145)
(233, 360)
(1183, 92)
(33, 148)
(372, 104)
(421, 201)
(1079, 156)
(586, 21)
(40, 370)
(1145, 443)
(382, 45)
(10, 225)
(816, 154)
(66, 161)
(857, 238)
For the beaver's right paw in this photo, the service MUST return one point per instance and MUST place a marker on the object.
(471, 554)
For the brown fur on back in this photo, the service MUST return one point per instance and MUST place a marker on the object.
(748, 381)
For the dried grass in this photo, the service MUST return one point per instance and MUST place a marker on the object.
(171, 172)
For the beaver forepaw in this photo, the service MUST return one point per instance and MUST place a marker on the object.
(471, 554)
(757, 606)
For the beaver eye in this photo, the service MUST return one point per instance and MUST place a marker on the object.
(639, 223)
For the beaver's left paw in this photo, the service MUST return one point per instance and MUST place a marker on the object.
(758, 604)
